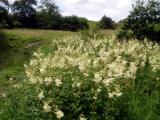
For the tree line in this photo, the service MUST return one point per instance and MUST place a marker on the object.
(44, 14)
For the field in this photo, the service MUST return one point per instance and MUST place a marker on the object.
(23, 43)
(131, 67)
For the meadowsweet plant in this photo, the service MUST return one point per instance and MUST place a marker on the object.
(81, 79)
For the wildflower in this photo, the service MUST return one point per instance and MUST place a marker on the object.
(98, 90)
(81, 117)
(97, 77)
(46, 107)
(95, 97)
(41, 95)
(3, 95)
(48, 80)
(58, 82)
(82, 66)
(59, 114)
(42, 70)
(78, 84)
(108, 81)
(17, 86)
(133, 68)
(116, 92)
(33, 62)
(10, 78)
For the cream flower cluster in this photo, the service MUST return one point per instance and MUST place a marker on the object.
(107, 58)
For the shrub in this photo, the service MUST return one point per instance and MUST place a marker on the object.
(81, 79)
(125, 35)
(74, 23)
(154, 32)
(17, 24)
(106, 23)
(143, 19)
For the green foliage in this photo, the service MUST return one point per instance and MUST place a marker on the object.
(49, 17)
(23, 102)
(5, 21)
(143, 95)
(106, 23)
(142, 20)
(24, 12)
(74, 23)
(91, 34)
(4, 44)
(125, 35)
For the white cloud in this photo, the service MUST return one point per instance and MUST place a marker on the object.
(95, 9)
(123, 4)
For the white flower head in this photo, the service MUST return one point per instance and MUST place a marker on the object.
(59, 114)
(10, 78)
(42, 70)
(133, 68)
(58, 82)
(48, 80)
(78, 84)
(97, 77)
(41, 95)
(81, 117)
(82, 67)
(47, 107)
(95, 97)
(3, 95)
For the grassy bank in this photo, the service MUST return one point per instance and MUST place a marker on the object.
(22, 43)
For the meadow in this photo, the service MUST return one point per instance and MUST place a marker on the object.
(23, 43)
(48, 74)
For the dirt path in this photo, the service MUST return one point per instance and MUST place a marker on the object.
(31, 45)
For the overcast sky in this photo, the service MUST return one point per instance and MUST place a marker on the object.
(95, 9)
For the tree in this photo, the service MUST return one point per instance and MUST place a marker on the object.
(144, 20)
(106, 23)
(24, 12)
(4, 17)
(48, 15)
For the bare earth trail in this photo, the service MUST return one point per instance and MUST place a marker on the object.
(33, 44)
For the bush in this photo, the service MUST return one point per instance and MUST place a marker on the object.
(154, 32)
(143, 20)
(125, 35)
(106, 23)
(74, 23)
